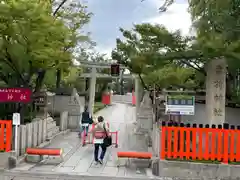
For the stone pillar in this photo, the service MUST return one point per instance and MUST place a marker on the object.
(136, 91)
(92, 90)
(215, 91)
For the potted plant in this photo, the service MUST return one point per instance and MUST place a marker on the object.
(4, 156)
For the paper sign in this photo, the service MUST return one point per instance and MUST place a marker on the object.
(16, 119)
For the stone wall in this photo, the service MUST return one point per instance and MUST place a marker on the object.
(58, 104)
(74, 122)
(37, 132)
(73, 104)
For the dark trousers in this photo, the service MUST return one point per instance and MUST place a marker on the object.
(96, 149)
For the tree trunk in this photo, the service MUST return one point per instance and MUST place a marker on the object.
(39, 81)
(58, 78)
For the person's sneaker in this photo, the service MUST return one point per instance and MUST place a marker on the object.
(96, 162)
(100, 161)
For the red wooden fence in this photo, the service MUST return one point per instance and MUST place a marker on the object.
(5, 135)
(198, 143)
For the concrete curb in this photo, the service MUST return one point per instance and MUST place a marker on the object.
(194, 170)
(42, 145)
(70, 176)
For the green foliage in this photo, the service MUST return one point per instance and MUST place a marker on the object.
(147, 48)
(33, 40)
(35, 43)
(217, 24)
(30, 39)
(72, 75)
(171, 76)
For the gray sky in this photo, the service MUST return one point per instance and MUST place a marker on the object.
(109, 15)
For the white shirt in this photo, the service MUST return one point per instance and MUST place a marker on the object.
(85, 124)
(97, 141)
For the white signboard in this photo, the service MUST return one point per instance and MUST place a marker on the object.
(181, 110)
(16, 119)
(16, 122)
(180, 105)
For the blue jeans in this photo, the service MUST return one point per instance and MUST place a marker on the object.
(84, 129)
(96, 149)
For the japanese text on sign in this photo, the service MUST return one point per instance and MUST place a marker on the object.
(218, 84)
(218, 97)
(22, 95)
(217, 112)
(219, 69)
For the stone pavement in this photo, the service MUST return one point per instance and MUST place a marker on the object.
(78, 159)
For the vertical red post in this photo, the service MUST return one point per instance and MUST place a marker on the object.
(232, 137)
(220, 144)
(194, 143)
(206, 148)
(213, 144)
(188, 142)
(8, 135)
(181, 149)
(225, 146)
(200, 148)
(163, 140)
(169, 141)
(2, 136)
(238, 146)
(175, 146)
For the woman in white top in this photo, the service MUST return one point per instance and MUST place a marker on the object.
(85, 122)
(100, 131)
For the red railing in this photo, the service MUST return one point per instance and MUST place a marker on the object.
(200, 143)
(5, 135)
(89, 139)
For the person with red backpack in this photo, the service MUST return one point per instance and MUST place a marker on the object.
(101, 139)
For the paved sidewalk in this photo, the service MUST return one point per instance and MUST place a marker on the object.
(78, 159)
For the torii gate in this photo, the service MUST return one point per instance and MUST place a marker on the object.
(94, 75)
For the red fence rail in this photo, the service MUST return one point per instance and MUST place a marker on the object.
(5, 135)
(200, 143)
(90, 139)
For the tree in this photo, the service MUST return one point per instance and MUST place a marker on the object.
(149, 47)
(165, 5)
(30, 40)
(74, 15)
(172, 76)
(217, 26)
